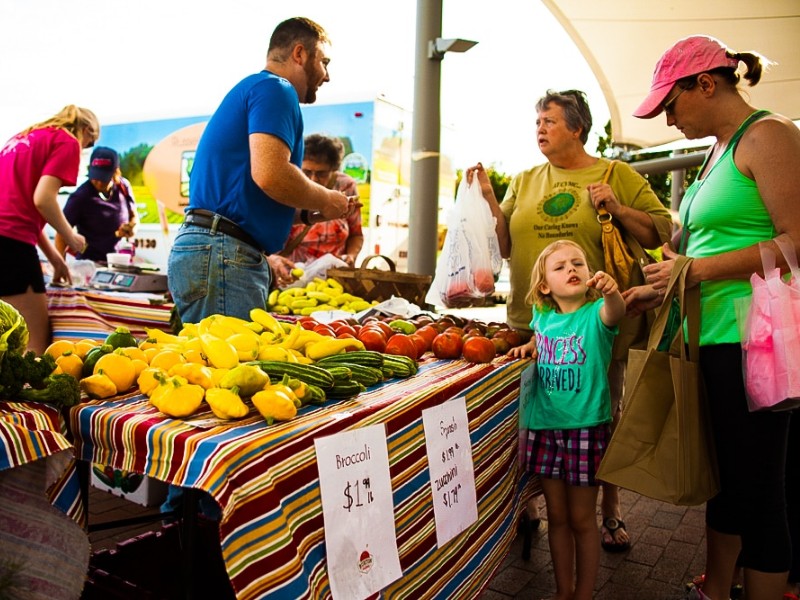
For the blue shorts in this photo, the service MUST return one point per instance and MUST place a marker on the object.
(573, 455)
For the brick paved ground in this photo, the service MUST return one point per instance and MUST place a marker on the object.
(667, 550)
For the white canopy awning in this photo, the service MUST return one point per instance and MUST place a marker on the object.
(623, 39)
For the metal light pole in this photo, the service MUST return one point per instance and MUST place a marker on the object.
(425, 135)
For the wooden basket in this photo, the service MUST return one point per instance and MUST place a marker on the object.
(376, 284)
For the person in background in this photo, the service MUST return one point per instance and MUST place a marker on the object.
(341, 237)
(746, 193)
(246, 182)
(34, 165)
(102, 208)
(246, 187)
(569, 425)
(559, 199)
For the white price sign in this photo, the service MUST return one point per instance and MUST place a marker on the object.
(357, 507)
(450, 464)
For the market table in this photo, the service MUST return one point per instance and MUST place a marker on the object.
(266, 478)
(87, 314)
(44, 549)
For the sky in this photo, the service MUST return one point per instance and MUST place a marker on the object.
(130, 60)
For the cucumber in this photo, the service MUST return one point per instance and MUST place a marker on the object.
(310, 374)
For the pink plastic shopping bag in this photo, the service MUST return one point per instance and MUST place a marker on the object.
(771, 340)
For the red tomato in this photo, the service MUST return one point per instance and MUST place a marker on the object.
(478, 349)
(324, 330)
(401, 344)
(447, 345)
(344, 328)
(307, 322)
(428, 332)
(484, 281)
(372, 339)
(420, 343)
(387, 331)
(344, 334)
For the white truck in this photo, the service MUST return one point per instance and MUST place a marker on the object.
(157, 158)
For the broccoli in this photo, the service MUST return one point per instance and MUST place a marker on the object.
(60, 389)
(17, 370)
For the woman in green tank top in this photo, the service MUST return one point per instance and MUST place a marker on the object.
(747, 192)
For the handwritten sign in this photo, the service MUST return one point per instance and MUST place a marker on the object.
(450, 464)
(357, 507)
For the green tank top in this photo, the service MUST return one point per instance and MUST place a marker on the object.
(723, 212)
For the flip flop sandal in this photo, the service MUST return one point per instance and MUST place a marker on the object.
(612, 525)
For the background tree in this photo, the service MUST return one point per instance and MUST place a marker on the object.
(500, 181)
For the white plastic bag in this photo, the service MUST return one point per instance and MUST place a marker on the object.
(317, 268)
(470, 258)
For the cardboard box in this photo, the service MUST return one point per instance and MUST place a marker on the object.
(131, 486)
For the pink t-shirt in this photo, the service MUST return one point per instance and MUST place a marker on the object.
(23, 161)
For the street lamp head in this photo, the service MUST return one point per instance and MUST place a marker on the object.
(438, 47)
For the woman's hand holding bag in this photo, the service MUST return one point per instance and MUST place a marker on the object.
(470, 258)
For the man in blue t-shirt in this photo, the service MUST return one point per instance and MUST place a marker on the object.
(246, 187)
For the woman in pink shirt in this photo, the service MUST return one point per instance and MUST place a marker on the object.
(34, 165)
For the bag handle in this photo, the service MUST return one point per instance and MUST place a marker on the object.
(690, 311)
(603, 216)
(769, 260)
(289, 248)
(388, 260)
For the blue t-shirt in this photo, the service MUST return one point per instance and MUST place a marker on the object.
(220, 179)
(571, 390)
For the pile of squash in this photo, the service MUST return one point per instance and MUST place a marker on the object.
(318, 294)
(225, 362)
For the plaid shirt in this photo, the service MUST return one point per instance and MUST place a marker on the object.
(328, 236)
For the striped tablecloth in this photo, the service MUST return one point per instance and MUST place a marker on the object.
(44, 552)
(266, 479)
(77, 315)
(31, 431)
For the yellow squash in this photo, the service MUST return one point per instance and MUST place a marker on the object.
(99, 386)
(274, 406)
(226, 403)
(178, 399)
(248, 378)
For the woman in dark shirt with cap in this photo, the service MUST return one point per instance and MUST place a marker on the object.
(102, 208)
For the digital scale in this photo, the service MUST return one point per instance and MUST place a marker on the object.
(128, 279)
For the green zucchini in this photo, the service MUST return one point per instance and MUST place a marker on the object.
(366, 375)
(340, 372)
(368, 358)
(310, 374)
(345, 390)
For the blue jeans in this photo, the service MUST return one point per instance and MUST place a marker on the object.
(208, 507)
(214, 273)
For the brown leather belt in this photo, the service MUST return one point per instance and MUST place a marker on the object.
(215, 222)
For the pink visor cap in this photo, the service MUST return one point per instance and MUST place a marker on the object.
(689, 56)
